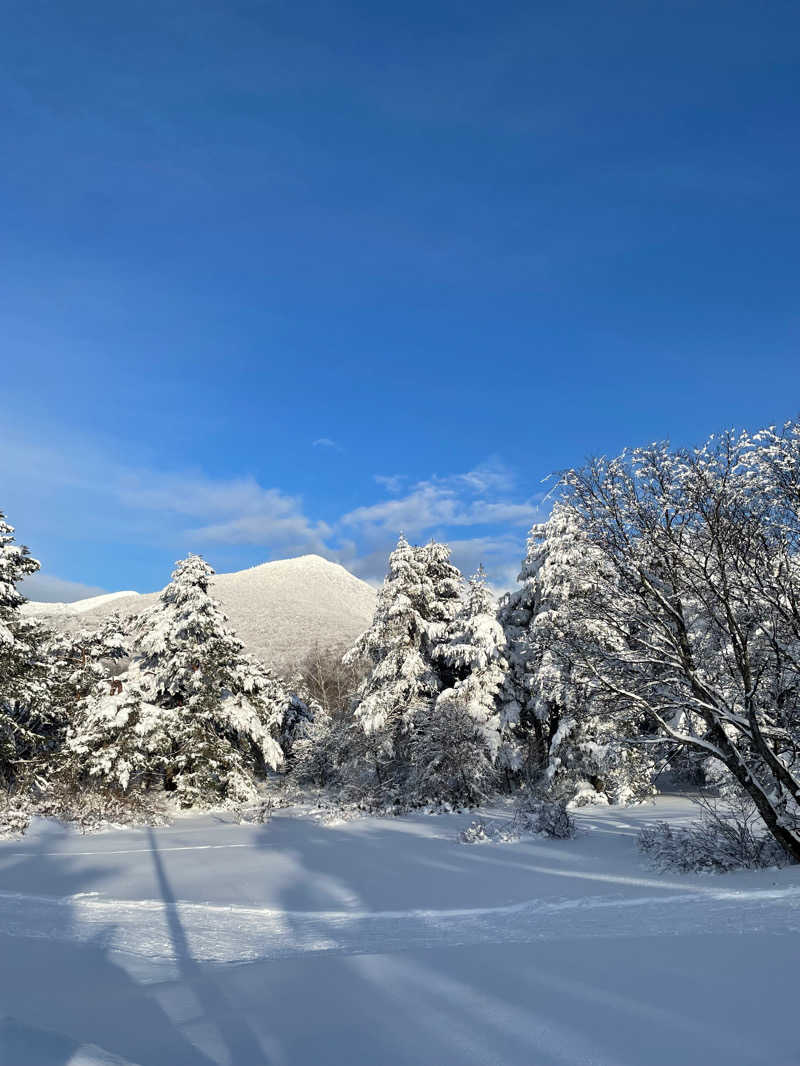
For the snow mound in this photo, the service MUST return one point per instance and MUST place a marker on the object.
(279, 610)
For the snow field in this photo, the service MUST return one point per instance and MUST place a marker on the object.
(386, 941)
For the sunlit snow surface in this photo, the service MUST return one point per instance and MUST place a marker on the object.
(386, 941)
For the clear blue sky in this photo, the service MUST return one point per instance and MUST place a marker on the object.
(285, 277)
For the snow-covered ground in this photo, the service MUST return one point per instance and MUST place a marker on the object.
(385, 941)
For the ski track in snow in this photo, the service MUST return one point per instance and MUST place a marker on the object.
(178, 931)
(135, 851)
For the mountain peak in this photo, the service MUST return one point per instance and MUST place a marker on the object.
(280, 609)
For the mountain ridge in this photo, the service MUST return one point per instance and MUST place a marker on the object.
(279, 609)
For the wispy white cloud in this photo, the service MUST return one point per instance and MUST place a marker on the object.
(326, 442)
(469, 499)
(485, 499)
(391, 482)
(481, 512)
(190, 492)
(284, 530)
(236, 511)
(180, 510)
(491, 476)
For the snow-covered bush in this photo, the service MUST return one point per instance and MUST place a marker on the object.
(258, 814)
(326, 750)
(533, 816)
(14, 819)
(554, 820)
(725, 837)
(544, 814)
(477, 832)
(90, 806)
(450, 758)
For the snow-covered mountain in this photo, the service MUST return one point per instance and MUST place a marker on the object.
(279, 610)
(92, 603)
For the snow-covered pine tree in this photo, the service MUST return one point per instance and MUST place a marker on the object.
(194, 711)
(526, 743)
(548, 696)
(28, 719)
(472, 655)
(79, 662)
(416, 603)
(454, 745)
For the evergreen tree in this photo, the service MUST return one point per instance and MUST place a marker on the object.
(27, 717)
(473, 652)
(79, 662)
(564, 743)
(194, 711)
(417, 602)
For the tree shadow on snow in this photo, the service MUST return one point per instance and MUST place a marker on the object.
(219, 1022)
(610, 1001)
(64, 996)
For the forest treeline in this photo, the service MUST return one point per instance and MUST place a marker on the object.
(656, 625)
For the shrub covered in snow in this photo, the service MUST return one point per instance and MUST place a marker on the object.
(544, 814)
(450, 758)
(328, 751)
(257, 814)
(477, 832)
(14, 819)
(534, 815)
(725, 837)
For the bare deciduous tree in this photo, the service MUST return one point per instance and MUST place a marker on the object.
(329, 681)
(694, 616)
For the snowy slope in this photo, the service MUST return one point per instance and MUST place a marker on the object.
(87, 606)
(279, 610)
(388, 942)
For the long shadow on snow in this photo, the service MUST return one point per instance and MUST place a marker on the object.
(58, 995)
(225, 1025)
(605, 1001)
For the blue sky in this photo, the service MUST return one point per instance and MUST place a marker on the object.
(284, 277)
